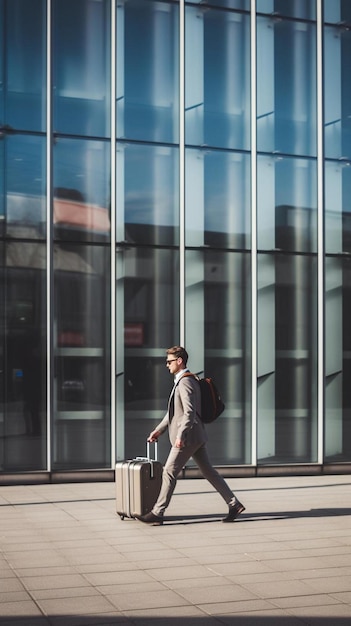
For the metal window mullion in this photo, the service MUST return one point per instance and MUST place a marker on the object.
(320, 253)
(49, 239)
(253, 48)
(182, 171)
(113, 233)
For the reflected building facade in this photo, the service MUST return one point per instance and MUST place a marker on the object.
(174, 172)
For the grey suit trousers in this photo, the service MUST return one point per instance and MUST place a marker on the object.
(177, 458)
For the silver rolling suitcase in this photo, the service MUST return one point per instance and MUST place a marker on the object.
(138, 483)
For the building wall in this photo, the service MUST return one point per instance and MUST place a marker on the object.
(174, 172)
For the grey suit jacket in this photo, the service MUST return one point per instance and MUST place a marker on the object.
(182, 417)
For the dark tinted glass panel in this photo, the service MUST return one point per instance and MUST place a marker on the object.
(338, 207)
(24, 201)
(2, 51)
(336, 11)
(147, 299)
(23, 352)
(304, 9)
(287, 359)
(218, 330)
(82, 67)
(82, 356)
(147, 71)
(337, 359)
(82, 189)
(25, 64)
(147, 194)
(244, 5)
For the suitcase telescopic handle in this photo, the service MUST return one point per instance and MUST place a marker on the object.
(155, 450)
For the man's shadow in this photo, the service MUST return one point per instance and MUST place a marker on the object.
(258, 517)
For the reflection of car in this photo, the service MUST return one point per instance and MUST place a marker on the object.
(73, 384)
(72, 389)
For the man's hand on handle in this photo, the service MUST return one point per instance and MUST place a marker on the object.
(153, 436)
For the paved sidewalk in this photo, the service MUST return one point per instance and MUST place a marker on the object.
(66, 558)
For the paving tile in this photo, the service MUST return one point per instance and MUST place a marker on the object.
(54, 582)
(81, 605)
(224, 593)
(247, 567)
(23, 608)
(116, 565)
(10, 584)
(270, 617)
(153, 599)
(63, 592)
(330, 585)
(128, 588)
(179, 573)
(240, 606)
(278, 588)
(178, 616)
(305, 601)
(115, 578)
(334, 612)
(185, 583)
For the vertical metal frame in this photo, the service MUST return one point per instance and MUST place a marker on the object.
(49, 237)
(182, 172)
(321, 246)
(113, 231)
(253, 94)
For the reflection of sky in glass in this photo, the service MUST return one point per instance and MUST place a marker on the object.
(83, 165)
(151, 185)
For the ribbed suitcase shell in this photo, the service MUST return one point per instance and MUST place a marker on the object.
(138, 483)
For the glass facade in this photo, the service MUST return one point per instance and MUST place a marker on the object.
(174, 172)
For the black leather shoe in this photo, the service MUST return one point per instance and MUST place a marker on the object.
(150, 518)
(234, 512)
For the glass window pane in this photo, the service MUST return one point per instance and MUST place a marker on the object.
(286, 86)
(337, 207)
(303, 9)
(82, 189)
(147, 71)
(337, 92)
(287, 204)
(244, 5)
(217, 199)
(337, 360)
(24, 202)
(149, 288)
(336, 11)
(2, 51)
(82, 356)
(217, 106)
(147, 194)
(25, 65)
(23, 351)
(287, 359)
(218, 330)
(82, 67)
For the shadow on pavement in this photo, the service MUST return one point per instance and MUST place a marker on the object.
(210, 620)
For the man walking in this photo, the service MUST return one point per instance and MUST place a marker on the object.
(188, 438)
